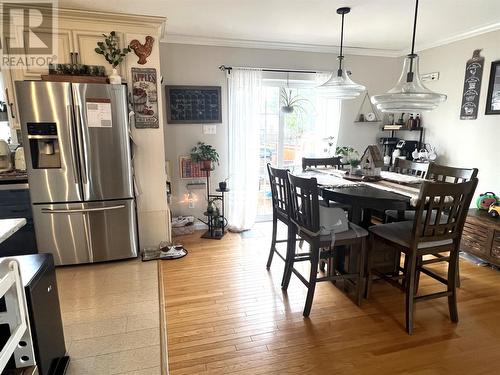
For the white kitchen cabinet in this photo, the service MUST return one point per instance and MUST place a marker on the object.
(85, 43)
(64, 40)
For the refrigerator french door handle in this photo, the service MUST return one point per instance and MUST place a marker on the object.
(83, 156)
(80, 210)
(69, 112)
(88, 236)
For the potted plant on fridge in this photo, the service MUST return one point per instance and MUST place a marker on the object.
(113, 54)
(206, 154)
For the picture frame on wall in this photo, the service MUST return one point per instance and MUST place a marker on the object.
(493, 98)
(190, 169)
(193, 104)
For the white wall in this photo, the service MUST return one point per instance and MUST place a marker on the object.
(464, 143)
(198, 65)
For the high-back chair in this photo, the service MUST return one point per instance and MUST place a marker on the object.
(438, 173)
(443, 173)
(428, 234)
(306, 218)
(333, 162)
(280, 194)
(411, 168)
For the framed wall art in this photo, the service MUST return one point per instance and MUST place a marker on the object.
(189, 168)
(145, 98)
(493, 98)
(193, 104)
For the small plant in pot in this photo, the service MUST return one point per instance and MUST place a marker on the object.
(206, 154)
(112, 53)
(355, 170)
(223, 185)
(347, 153)
(291, 102)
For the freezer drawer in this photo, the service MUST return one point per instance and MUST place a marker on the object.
(86, 232)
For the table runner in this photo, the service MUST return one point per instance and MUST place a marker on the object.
(328, 177)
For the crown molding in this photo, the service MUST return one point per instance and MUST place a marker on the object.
(320, 48)
(244, 43)
(488, 28)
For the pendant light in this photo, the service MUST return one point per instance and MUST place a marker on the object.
(409, 94)
(340, 86)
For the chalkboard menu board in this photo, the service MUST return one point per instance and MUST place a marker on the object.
(472, 86)
(193, 104)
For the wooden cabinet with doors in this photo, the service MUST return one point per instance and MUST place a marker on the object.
(481, 236)
(85, 42)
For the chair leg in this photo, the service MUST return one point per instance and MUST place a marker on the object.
(452, 283)
(369, 261)
(457, 283)
(312, 280)
(417, 273)
(410, 291)
(361, 271)
(289, 260)
(289, 254)
(273, 242)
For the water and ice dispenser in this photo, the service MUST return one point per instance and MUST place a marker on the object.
(44, 145)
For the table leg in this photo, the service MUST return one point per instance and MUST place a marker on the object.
(367, 218)
(356, 214)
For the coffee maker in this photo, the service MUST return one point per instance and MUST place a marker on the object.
(5, 157)
(406, 148)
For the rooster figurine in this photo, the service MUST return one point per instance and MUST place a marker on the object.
(142, 50)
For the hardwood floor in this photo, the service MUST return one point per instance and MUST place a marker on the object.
(226, 314)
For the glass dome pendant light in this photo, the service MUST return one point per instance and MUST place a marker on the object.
(409, 94)
(340, 86)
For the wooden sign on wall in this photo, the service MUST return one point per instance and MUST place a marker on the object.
(472, 86)
(145, 97)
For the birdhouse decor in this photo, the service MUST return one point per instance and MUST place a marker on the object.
(371, 162)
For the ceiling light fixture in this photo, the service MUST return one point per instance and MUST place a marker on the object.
(409, 94)
(340, 86)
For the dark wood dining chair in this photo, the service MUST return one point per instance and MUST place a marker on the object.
(443, 173)
(280, 195)
(333, 162)
(411, 168)
(438, 173)
(305, 216)
(427, 235)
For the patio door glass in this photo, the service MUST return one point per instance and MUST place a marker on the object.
(287, 137)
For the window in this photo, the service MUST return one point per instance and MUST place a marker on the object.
(287, 137)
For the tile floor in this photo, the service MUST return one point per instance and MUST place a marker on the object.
(110, 314)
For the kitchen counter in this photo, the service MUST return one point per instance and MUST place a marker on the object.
(10, 226)
(13, 177)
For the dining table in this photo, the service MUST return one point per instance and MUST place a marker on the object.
(392, 191)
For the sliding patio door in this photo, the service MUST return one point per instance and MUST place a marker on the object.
(286, 137)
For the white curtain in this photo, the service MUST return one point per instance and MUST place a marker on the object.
(244, 87)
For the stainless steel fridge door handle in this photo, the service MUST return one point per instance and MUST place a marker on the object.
(72, 142)
(80, 210)
(83, 159)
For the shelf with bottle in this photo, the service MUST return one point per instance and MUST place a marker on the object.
(401, 128)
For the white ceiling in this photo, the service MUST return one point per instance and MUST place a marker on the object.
(378, 26)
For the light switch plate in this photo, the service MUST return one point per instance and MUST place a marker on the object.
(209, 129)
(430, 76)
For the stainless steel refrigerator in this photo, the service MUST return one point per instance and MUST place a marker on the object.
(78, 159)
